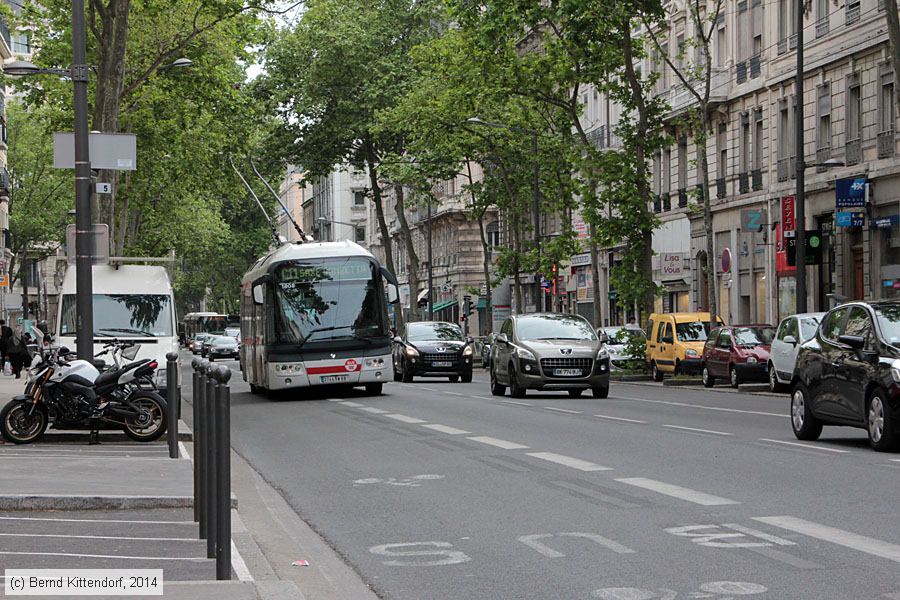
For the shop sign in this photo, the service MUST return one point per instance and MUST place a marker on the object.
(850, 192)
(580, 227)
(888, 283)
(885, 222)
(849, 219)
(896, 284)
(788, 219)
(813, 243)
(580, 260)
(671, 265)
(752, 219)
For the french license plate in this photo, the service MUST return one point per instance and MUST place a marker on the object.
(442, 363)
(333, 378)
(567, 372)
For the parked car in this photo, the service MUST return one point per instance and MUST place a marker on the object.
(486, 351)
(738, 352)
(619, 338)
(848, 374)
(223, 346)
(432, 348)
(547, 351)
(197, 343)
(675, 343)
(792, 331)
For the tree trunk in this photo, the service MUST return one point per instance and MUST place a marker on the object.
(700, 139)
(382, 223)
(412, 266)
(893, 22)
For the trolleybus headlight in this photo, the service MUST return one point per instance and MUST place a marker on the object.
(289, 368)
(374, 363)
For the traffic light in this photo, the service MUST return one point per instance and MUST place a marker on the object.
(468, 305)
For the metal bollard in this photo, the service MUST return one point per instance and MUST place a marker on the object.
(201, 452)
(195, 390)
(172, 402)
(223, 474)
(211, 451)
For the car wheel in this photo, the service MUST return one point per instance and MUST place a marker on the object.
(804, 424)
(657, 374)
(496, 388)
(466, 377)
(708, 380)
(880, 425)
(734, 377)
(515, 390)
(374, 388)
(600, 391)
(454, 378)
(575, 393)
(774, 384)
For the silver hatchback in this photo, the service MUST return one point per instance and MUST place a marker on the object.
(548, 351)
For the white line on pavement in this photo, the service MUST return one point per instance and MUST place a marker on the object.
(373, 410)
(352, 404)
(847, 539)
(446, 429)
(182, 451)
(516, 403)
(686, 405)
(482, 397)
(563, 410)
(808, 446)
(108, 556)
(498, 443)
(759, 534)
(698, 430)
(97, 520)
(611, 418)
(455, 394)
(335, 400)
(430, 389)
(70, 457)
(238, 564)
(97, 537)
(894, 459)
(405, 419)
(675, 491)
(568, 461)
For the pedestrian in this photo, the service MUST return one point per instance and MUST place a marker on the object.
(18, 352)
(5, 335)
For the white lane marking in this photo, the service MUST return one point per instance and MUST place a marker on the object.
(373, 410)
(238, 564)
(405, 419)
(834, 535)
(97, 537)
(531, 542)
(97, 521)
(894, 459)
(352, 404)
(108, 556)
(685, 404)
(808, 446)
(446, 429)
(183, 452)
(430, 389)
(698, 430)
(568, 461)
(611, 418)
(563, 410)
(675, 491)
(498, 443)
(482, 397)
(334, 400)
(759, 534)
(455, 394)
(70, 457)
(516, 403)
(603, 541)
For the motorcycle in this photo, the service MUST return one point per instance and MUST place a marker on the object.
(76, 395)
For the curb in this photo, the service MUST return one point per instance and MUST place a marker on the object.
(107, 435)
(68, 502)
(630, 378)
(681, 382)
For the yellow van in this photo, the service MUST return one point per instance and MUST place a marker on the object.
(675, 342)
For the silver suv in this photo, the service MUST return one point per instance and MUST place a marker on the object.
(548, 351)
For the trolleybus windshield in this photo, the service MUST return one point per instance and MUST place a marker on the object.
(328, 299)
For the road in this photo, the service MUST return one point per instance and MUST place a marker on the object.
(436, 490)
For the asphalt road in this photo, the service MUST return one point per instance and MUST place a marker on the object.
(439, 490)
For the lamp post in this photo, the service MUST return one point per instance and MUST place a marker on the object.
(535, 191)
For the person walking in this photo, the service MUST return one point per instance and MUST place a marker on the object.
(5, 335)
(18, 352)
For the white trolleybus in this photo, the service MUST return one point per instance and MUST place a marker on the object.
(316, 314)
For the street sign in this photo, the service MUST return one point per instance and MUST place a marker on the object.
(116, 151)
(613, 295)
(813, 248)
(4, 280)
(726, 260)
(752, 219)
(885, 222)
(100, 238)
(845, 218)
(103, 188)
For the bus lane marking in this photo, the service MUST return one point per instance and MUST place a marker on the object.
(420, 549)
(373, 410)
(675, 491)
(405, 419)
(446, 429)
(848, 539)
(568, 461)
(490, 441)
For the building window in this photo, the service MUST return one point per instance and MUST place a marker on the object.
(822, 9)
(758, 139)
(20, 43)
(854, 109)
(852, 8)
(359, 197)
(682, 163)
(743, 31)
(722, 146)
(787, 25)
(886, 108)
(492, 233)
(360, 234)
(721, 50)
(823, 132)
(666, 171)
(657, 173)
(745, 142)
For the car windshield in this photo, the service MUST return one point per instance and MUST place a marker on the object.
(808, 326)
(320, 300)
(122, 315)
(232, 331)
(692, 331)
(748, 337)
(224, 341)
(554, 327)
(888, 316)
(418, 332)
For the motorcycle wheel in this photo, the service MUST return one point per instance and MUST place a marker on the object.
(151, 424)
(18, 427)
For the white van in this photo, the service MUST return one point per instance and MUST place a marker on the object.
(131, 302)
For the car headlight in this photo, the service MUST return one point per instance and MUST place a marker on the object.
(895, 370)
(691, 352)
(602, 353)
(410, 351)
(467, 351)
(525, 354)
(751, 360)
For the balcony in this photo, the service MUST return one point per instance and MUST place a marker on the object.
(756, 179)
(4, 181)
(886, 143)
(852, 8)
(786, 169)
(743, 182)
(822, 27)
(788, 43)
(853, 150)
(604, 138)
(822, 154)
(657, 203)
(741, 68)
(721, 188)
(666, 202)
(755, 66)
(679, 98)
(682, 197)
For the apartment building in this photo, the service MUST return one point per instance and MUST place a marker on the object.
(293, 191)
(334, 206)
(11, 44)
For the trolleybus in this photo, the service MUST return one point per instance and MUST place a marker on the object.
(316, 314)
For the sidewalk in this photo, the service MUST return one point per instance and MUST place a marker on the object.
(116, 505)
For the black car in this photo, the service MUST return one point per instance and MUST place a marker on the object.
(432, 348)
(849, 374)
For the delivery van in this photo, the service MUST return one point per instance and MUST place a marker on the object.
(675, 342)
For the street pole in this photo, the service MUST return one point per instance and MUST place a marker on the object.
(800, 196)
(536, 191)
(84, 241)
(430, 268)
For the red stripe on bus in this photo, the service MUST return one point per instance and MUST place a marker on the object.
(335, 369)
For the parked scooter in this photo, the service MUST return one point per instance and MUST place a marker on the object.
(73, 394)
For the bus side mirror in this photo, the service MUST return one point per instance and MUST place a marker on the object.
(259, 294)
(393, 293)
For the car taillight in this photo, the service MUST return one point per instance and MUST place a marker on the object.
(153, 364)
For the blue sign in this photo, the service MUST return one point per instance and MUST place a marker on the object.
(887, 283)
(849, 219)
(885, 222)
(850, 193)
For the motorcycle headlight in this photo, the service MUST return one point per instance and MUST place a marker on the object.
(691, 352)
(895, 370)
(525, 354)
(467, 351)
(410, 351)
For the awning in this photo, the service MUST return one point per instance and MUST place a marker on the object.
(443, 305)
